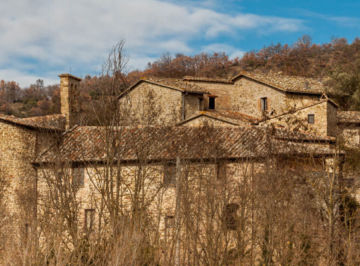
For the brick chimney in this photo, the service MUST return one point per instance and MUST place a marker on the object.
(69, 98)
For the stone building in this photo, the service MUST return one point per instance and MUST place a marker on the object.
(244, 116)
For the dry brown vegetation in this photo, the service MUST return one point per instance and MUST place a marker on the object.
(337, 63)
(279, 210)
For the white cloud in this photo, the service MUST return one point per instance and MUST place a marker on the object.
(220, 47)
(25, 79)
(42, 36)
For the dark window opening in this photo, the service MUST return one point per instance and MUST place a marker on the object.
(230, 216)
(264, 104)
(311, 118)
(211, 103)
(78, 177)
(169, 175)
(26, 231)
(89, 219)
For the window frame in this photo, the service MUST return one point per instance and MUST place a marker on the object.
(311, 118)
(78, 177)
(264, 104)
(211, 103)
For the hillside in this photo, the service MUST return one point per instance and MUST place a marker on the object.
(337, 64)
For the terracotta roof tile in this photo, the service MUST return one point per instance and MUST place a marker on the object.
(291, 84)
(178, 84)
(48, 122)
(235, 118)
(205, 79)
(87, 144)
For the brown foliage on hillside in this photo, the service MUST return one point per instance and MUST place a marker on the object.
(336, 63)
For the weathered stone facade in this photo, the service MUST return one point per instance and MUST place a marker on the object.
(238, 105)
(69, 97)
(323, 114)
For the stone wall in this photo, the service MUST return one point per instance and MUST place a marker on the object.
(192, 105)
(17, 150)
(159, 198)
(69, 98)
(324, 119)
(149, 104)
(18, 147)
(296, 101)
(244, 96)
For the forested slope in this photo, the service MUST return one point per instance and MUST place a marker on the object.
(336, 63)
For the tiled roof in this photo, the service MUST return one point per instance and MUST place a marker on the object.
(176, 84)
(88, 144)
(291, 84)
(235, 118)
(348, 117)
(204, 79)
(179, 84)
(48, 122)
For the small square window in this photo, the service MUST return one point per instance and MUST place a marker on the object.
(169, 175)
(311, 118)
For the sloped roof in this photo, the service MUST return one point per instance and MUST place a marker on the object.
(352, 117)
(291, 84)
(285, 83)
(175, 84)
(48, 122)
(205, 79)
(231, 117)
(88, 144)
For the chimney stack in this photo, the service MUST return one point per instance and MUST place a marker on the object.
(69, 98)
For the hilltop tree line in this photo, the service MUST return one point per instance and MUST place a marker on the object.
(336, 63)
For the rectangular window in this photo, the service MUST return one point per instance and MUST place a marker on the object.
(211, 103)
(169, 175)
(169, 221)
(311, 118)
(78, 177)
(221, 170)
(230, 216)
(169, 225)
(89, 219)
(264, 104)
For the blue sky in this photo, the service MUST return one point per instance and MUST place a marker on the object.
(42, 38)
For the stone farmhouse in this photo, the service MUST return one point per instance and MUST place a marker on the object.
(243, 116)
